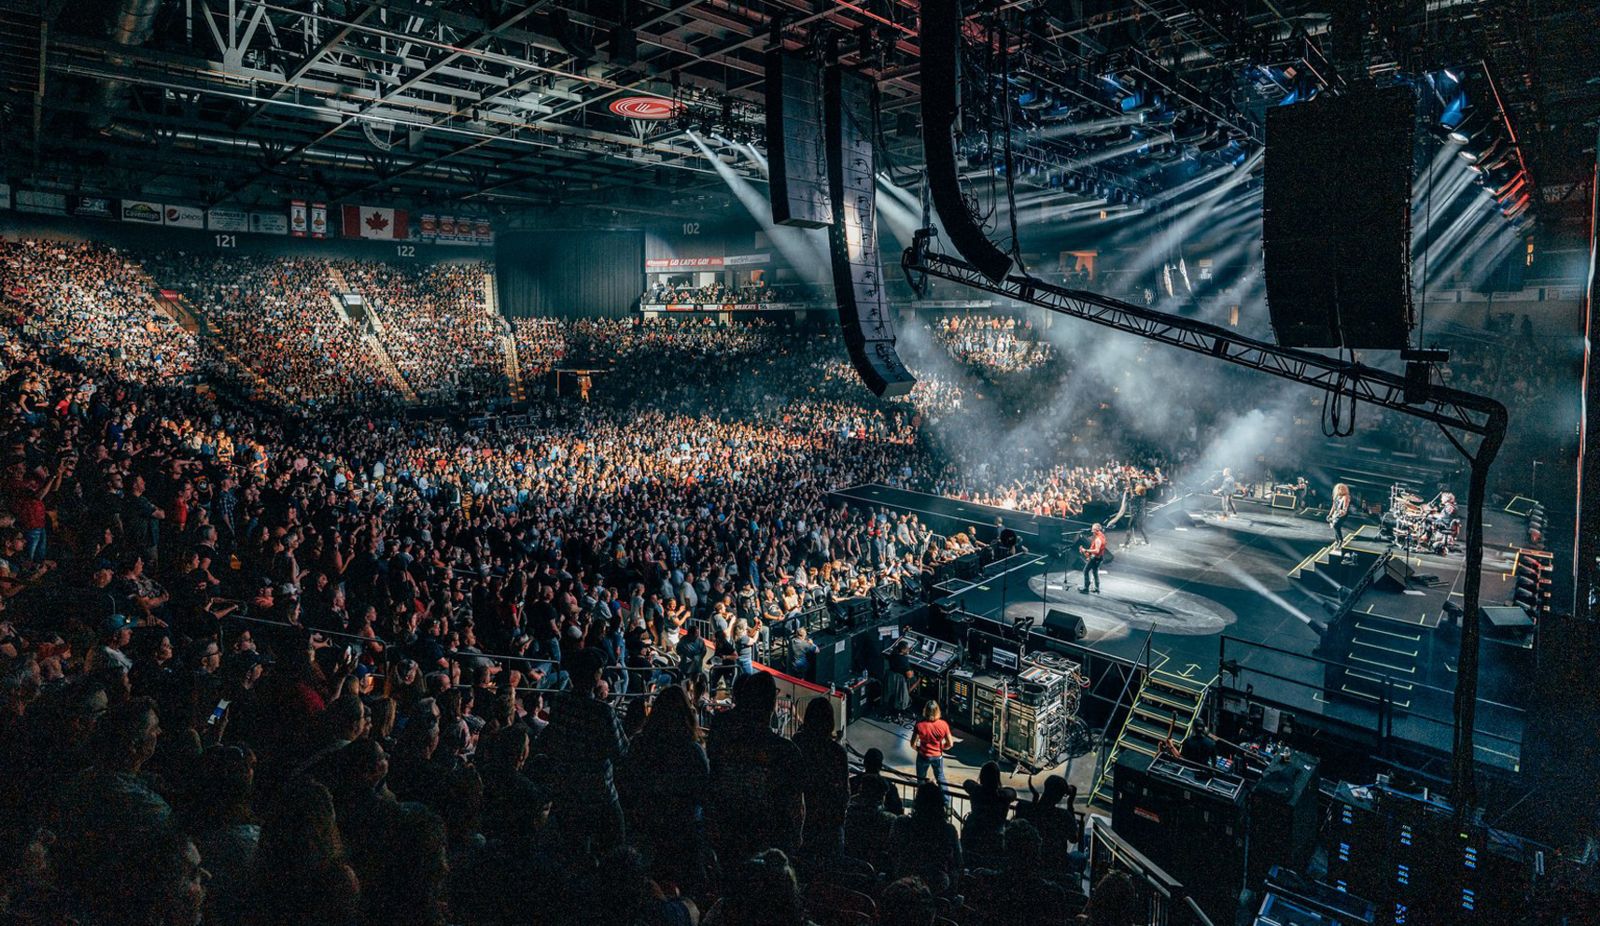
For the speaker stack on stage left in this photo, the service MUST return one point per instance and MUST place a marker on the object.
(858, 282)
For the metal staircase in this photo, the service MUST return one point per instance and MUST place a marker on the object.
(1166, 706)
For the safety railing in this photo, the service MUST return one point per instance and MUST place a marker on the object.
(1161, 897)
(1403, 714)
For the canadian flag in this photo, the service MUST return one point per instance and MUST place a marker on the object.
(372, 222)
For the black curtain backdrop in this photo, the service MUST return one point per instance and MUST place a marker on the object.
(574, 273)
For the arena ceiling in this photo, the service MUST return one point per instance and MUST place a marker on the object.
(508, 105)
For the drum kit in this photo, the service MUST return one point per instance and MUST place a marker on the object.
(1416, 525)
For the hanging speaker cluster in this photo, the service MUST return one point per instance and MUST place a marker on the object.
(1337, 220)
(797, 166)
(941, 109)
(858, 281)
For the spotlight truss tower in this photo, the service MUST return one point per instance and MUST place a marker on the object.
(1459, 415)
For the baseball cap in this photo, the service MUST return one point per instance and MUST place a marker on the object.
(115, 623)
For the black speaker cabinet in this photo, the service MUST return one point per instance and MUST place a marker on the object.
(797, 163)
(1189, 821)
(1283, 816)
(1337, 220)
(1064, 626)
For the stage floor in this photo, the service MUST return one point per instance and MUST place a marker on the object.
(1204, 578)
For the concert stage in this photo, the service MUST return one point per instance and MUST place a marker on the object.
(1251, 598)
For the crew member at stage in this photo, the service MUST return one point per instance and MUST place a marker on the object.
(1339, 510)
(897, 681)
(1228, 489)
(1007, 539)
(1093, 554)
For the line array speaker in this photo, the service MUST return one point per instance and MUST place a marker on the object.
(858, 281)
(1337, 220)
(796, 163)
(941, 108)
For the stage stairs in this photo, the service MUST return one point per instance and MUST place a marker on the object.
(1379, 647)
(1166, 706)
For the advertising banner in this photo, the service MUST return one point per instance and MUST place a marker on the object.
(225, 219)
(139, 210)
(92, 207)
(269, 223)
(746, 260)
(40, 201)
(683, 263)
(185, 217)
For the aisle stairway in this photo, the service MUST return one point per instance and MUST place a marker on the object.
(508, 347)
(387, 364)
(1166, 705)
(358, 313)
(181, 312)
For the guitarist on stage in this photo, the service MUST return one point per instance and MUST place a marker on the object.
(1093, 554)
(1339, 510)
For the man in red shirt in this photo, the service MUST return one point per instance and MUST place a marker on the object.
(25, 493)
(1092, 555)
(930, 738)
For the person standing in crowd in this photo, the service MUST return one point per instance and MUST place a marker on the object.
(825, 780)
(924, 843)
(664, 782)
(578, 751)
(757, 797)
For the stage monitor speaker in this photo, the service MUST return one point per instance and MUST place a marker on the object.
(1337, 220)
(1396, 573)
(858, 282)
(941, 109)
(797, 163)
(1064, 626)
